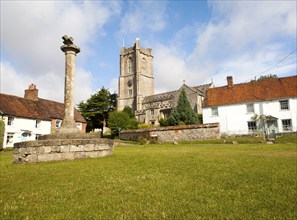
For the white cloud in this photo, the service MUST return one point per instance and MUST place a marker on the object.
(12, 82)
(242, 39)
(31, 34)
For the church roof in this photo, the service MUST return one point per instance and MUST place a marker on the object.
(263, 90)
(41, 109)
(160, 97)
(172, 94)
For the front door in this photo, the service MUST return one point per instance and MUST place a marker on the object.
(271, 129)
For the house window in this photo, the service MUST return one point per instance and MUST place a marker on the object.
(10, 120)
(287, 124)
(284, 105)
(37, 123)
(79, 125)
(152, 111)
(252, 126)
(9, 138)
(214, 111)
(130, 92)
(250, 108)
(58, 123)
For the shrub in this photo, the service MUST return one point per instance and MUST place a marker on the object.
(142, 140)
(143, 125)
(153, 141)
(181, 123)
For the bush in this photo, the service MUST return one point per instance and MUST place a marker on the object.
(181, 123)
(142, 140)
(153, 141)
(143, 125)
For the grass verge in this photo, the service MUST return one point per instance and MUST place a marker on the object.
(156, 182)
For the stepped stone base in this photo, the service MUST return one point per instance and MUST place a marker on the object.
(61, 149)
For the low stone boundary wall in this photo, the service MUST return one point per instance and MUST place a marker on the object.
(175, 133)
(58, 150)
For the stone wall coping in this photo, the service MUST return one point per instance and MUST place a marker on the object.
(77, 135)
(168, 128)
(60, 142)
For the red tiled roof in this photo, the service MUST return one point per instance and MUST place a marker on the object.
(267, 89)
(41, 109)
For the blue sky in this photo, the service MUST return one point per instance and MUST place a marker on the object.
(195, 41)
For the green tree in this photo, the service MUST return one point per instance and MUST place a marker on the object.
(129, 111)
(96, 108)
(118, 121)
(183, 112)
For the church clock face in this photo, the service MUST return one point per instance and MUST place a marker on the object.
(130, 83)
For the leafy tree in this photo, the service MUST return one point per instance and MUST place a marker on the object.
(118, 121)
(129, 111)
(96, 108)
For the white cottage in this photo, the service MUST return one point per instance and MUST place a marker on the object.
(268, 104)
(30, 117)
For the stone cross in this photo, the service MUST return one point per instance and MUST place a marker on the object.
(70, 50)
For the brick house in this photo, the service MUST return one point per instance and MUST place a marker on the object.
(30, 117)
(268, 105)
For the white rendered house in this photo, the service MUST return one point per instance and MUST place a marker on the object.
(30, 117)
(268, 105)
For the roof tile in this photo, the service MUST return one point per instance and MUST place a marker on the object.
(42, 109)
(263, 90)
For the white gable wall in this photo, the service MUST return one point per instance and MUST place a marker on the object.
(233, 118)
(21, 126)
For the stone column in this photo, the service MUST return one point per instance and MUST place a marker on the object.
(70, 50)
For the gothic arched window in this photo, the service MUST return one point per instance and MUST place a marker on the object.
(143, 65)
(130, 65)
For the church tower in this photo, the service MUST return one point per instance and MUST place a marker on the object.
(136, 76)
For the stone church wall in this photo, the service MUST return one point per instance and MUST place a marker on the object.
(175, 133)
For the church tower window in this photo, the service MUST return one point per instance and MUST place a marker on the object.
(130, 65)
(143, 65)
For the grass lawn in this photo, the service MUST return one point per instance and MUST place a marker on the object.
(190, 181)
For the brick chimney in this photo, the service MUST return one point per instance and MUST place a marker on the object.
(31, 93)
(229, 81)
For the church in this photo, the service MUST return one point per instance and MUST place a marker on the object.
(136, 88)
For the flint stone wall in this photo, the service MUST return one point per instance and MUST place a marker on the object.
(175, 133)
(57, 150)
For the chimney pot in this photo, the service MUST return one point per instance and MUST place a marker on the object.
(229, 81)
